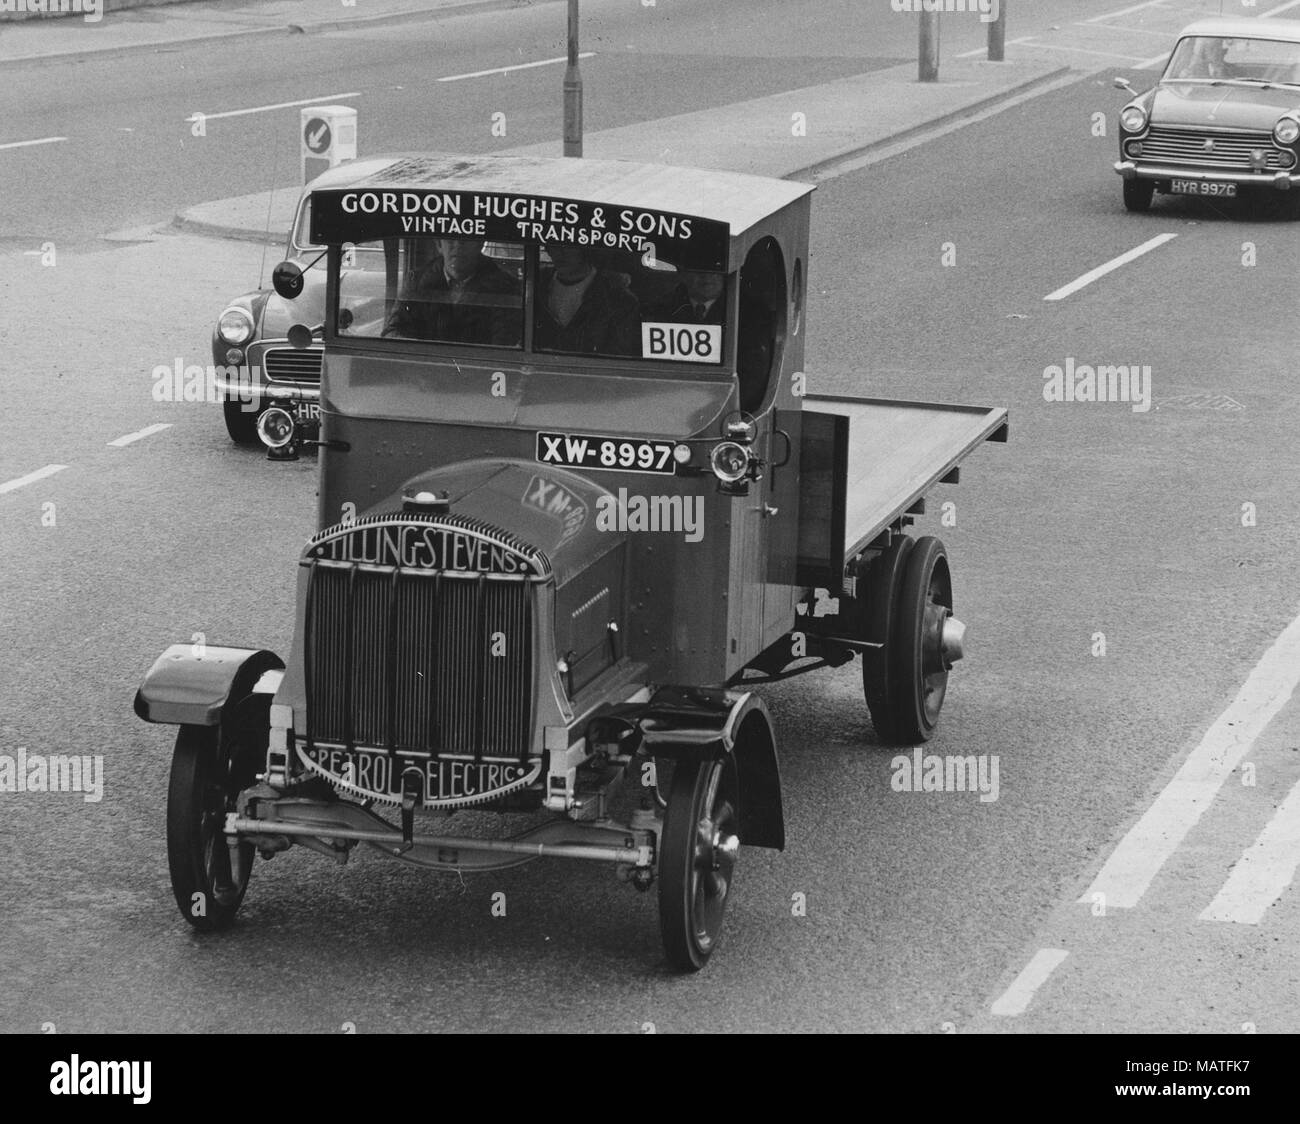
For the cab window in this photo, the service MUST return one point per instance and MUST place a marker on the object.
(621, 304)
(762, 308)
(449, 290)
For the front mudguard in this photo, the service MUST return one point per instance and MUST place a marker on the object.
(191, 685)
(690, 723)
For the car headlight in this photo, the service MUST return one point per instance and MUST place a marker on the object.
(1134, 119)
(235, 326)
(1287, 131)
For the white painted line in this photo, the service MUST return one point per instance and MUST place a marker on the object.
(322, 100)
(1125, 11)
(1147, 63)
(1136, 31)
(519, 66)
(1084, 51)
(31, 477)
(1016, 999)
(148, 431)
(984, 50)
(1278, 10)
(1139, 856)
(1110, 267)
(28, 144)
(1264, 872)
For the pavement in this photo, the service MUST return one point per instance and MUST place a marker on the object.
(789, 135)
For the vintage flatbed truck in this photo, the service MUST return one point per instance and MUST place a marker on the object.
(574, 501)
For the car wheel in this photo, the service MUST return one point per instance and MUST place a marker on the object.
(208, 876)
(1137, 195)
(241, 424)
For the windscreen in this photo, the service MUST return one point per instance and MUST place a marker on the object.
(1215, 58)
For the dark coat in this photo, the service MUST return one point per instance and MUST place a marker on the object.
(427, 313)
(608, 322)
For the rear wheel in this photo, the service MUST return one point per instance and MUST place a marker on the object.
(697, 859)
(883, 584)
(208, 876)
(1137, 195)
(920, 664)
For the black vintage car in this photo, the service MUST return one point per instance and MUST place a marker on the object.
(575, 501)
(1223, 120)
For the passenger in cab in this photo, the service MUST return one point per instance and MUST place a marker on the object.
(584, 310)
(462, 296)
(697, 300)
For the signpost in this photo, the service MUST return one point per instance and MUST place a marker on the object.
(998, 34)
(328, 138)
(573, 90)
(928, 58)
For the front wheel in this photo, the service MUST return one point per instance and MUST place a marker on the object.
(1138, 194)
(241, 424)
(209, 877)
(697, 858)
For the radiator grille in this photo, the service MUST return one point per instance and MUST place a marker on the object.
(419, 660)
(1231, 150)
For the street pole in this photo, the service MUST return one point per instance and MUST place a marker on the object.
(998, 34)
(928, 67)
(573, 90)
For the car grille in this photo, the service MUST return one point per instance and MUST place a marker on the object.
(412, 660)
(1163, 145)
(289, 364)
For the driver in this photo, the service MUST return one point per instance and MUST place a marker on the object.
(584, 309)
(1207, 61)
(441, 304)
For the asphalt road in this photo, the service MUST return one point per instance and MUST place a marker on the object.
(921, 908)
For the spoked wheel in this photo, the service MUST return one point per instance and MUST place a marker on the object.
(208, 878)
(697, 859)
(926, 642)
(1137, 195)
(884, 587)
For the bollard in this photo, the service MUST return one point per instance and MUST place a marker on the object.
(998, 34)
(928, 66)
(573, 90)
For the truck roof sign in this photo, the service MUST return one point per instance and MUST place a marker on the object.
(365, 214)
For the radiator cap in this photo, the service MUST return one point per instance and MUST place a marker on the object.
(429, 502)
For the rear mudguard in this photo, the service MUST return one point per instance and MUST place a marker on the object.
(684, 723)
(191, 685)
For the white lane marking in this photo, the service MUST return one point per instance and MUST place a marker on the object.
(27, 144)
(1110, 267)
(1146, 63)
(1125, 11)
(1137, 859)
(984, 50)
(519, 66)
(323, 99)
(148, 431)
(1136, 31)
(31, 477)
(1263, 872)
(1084, 51)
(1279, 9)
(1016, 999)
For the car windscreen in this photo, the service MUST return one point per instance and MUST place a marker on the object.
(446, 290)
(1218, 58)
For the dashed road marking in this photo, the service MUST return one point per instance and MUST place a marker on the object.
(1110, 267)
(1135, 862)
(1263, 872)
(1125, 11)
(519, 66)
(31, 477)
(323, 99)
(148, 431)
(29, 143)
(1016, 999)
